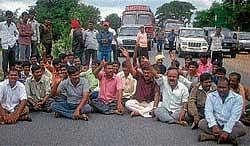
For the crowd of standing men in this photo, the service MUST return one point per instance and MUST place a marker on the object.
(86, 81)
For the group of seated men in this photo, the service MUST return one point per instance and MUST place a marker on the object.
(199, 94)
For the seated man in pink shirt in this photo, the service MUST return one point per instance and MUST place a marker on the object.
(205, 66)
(109, 100)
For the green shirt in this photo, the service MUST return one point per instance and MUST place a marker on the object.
(93, 81)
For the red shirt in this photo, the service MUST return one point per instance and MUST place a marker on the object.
(25, 33)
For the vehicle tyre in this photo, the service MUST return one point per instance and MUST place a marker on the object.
(233, 54)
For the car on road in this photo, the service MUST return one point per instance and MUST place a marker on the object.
(191, 41)
(127, 37)
(229, 43)
(244, 41)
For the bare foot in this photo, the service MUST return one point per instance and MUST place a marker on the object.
(134, 114)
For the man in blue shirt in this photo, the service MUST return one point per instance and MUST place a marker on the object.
(223, 109)
(104, 39)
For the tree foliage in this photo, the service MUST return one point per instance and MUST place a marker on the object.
(115, 20)
(226, 14)
(175, 10)
(61, 12)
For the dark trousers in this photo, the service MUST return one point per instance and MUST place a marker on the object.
(8, 59)
(115, 55)
(80, 54)
(48, 47)
(159, 45)
(103, 108)
(217, 56)
(143, 52)
(171, 45)
(90, 53)
(34, 49)
(237, 131)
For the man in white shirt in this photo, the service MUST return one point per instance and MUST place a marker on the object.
(13, 100)
(35, 38)
(216, 46)
(90, 41)
(174, 98)
(8, 35)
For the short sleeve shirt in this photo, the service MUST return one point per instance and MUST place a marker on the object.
(11, 97)
(73, 93)
(109, 87)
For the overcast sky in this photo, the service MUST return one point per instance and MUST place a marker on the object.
(106, 7)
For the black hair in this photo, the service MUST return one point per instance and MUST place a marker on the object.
(18, 63)
(205, 76)
(24, 14)
(62, 56)
(35, 67)
(124, 64)
(175, 63)
(33, 55)
(32, 12)
(222, 70)
(26, 63)
(173, 68)
(49, 56)
(85, 63)
(96, 62)
(63, 66)
(70, 54)
(156, 67)
(235, 74)
(117, 62)
(204, 55)
(13, 70)
(194, 63)
(223, 79)
(8, 13)
(188, 57)
(56, 61)
(72, 69)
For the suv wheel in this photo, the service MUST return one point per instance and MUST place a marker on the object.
(233, 54)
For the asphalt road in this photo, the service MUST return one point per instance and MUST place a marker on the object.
(101, 130)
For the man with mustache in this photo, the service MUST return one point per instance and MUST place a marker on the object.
(174, 97)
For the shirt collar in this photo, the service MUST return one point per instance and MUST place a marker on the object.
(8, 84)
(40, 81)
(5, 22)
(80, 83)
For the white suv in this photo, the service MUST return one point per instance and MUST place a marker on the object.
(191, 41)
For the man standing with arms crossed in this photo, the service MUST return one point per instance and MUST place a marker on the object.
(142, 42)
(216, 46)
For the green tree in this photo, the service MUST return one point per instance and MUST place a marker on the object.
(115, 20)
(61, 12)
(226, 14)
(174, 10)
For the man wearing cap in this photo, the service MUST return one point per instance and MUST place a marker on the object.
(159, 60)
(142, 42)
(77, 41)
(104, 39)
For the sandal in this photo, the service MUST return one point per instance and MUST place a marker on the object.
(83, 117)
